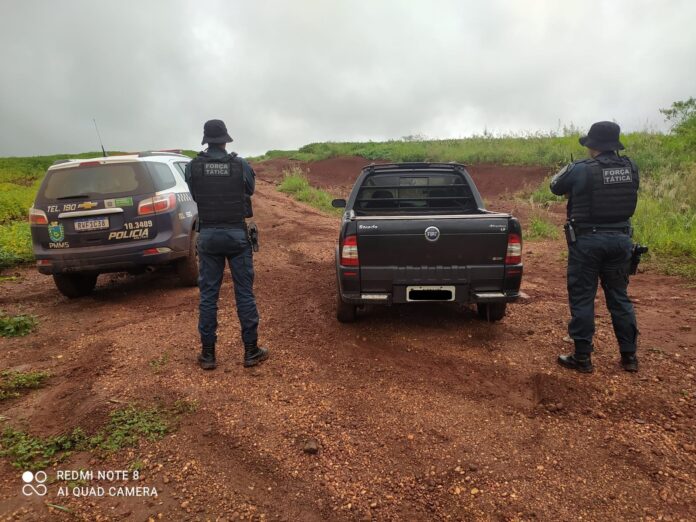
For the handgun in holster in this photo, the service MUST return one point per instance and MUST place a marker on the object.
(569, 233)
(636, 252)
(253, 233)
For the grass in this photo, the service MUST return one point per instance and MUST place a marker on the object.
(126, 428)
(297, 185)
(17, 325)
(12, 384)
(540, 228)
(546, 149)
(15, 244)
(542, 195)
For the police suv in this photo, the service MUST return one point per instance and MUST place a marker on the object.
(113, 214)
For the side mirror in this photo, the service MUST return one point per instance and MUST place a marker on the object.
(338, 203)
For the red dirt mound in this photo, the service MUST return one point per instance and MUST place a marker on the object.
(339, 174)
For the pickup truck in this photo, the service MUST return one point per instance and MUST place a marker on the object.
(419, 232)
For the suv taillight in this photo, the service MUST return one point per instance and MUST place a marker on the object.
(157, 204)
(37, 217)
(349, 251)
(514, 250)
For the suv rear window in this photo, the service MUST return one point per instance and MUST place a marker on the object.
(162, 176)
(97, 181)
(419, 192)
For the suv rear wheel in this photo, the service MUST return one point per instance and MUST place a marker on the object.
(187, 268)
(345, 312)
(491, 312)
(75, 285)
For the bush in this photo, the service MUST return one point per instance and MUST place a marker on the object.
(16, 325)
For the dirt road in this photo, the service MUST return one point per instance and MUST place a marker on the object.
(420, 413)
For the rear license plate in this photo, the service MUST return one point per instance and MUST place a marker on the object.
(91, 224)
(430, 293)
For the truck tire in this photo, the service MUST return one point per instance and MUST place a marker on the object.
(75, 285)
(491, 312)
(345, 312)
(187, 268)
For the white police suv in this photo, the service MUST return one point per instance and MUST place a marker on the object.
(113, 214)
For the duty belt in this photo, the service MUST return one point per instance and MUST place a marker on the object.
(583, 230)
(241, 225)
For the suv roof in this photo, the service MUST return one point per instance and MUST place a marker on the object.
(158, 156)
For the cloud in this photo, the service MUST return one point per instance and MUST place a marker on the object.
(283, 74)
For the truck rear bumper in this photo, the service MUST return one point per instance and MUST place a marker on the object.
(399, 297)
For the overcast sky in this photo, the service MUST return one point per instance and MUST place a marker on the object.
(286, 73)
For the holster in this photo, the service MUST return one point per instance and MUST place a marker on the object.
(253, 234)
(569, 233)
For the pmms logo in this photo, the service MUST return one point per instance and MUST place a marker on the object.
(34, 483)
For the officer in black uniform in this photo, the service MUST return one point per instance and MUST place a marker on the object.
(222, 184)
(602, 194)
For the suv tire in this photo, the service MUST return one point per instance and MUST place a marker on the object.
(75, 285)
(491, 312)
(187, 268)
(345, 312)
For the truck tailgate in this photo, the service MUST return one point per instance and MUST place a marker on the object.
(454, 250)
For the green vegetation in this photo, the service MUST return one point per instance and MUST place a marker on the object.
(15, 244)
(13, 383)
(542, 195)
(16, 325)
(34, 453)
(547, 149)
(297, 185)
(126, 427)
(540, 228)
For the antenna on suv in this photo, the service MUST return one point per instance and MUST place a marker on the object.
(99, 136)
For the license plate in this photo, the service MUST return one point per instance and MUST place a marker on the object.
(430, 293)
(91, 224)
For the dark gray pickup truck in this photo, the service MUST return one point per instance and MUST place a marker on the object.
(419, 232)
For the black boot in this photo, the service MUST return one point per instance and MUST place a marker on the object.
(579, 362)
(207, 357)
(254, 354)
(629, 362)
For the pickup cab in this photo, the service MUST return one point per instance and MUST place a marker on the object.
(419, 232)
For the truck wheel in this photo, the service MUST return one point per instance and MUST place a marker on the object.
(187, 268)
(75, 285)
(345, 312)
(491, 312)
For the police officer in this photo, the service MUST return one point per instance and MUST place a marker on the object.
(602, 194)
(222, 184)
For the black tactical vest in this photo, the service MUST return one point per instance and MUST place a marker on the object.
(611, 193)
(217, 186)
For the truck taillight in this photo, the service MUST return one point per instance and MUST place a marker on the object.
(37, 217)
(514, 250)
(349, 251)
(157, 204)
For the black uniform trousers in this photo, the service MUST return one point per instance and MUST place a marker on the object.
(602, 255)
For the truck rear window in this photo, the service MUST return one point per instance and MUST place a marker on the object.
(439, 193)
(98, 180)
